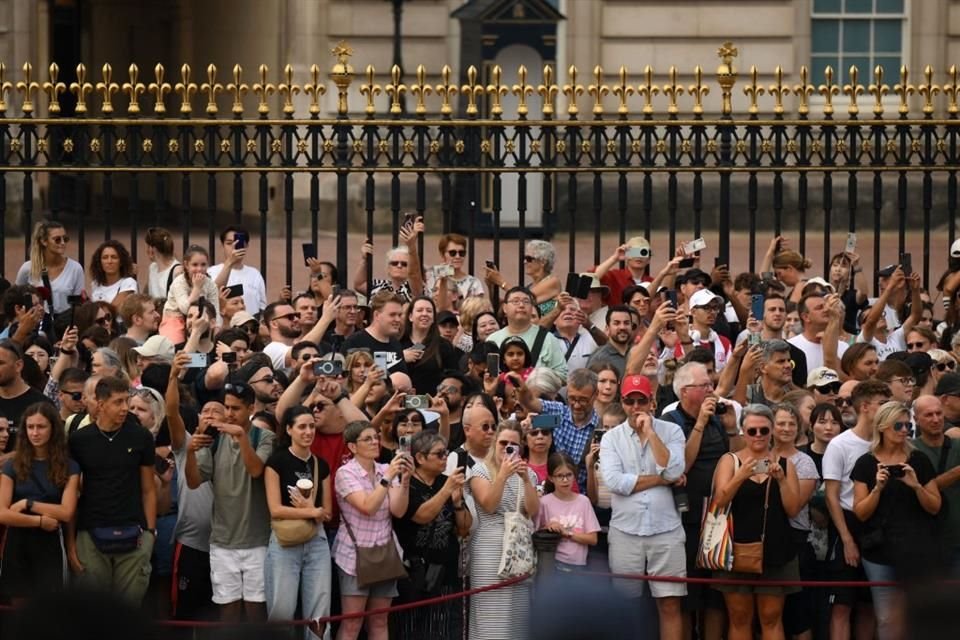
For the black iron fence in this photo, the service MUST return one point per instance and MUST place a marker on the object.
(612, 158)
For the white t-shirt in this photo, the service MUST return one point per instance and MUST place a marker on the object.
(157, 280)
(107, 292)
(277, 352)
(70, 282)
(896, 341)
(254, 288)
(838, 460)
(814, 350)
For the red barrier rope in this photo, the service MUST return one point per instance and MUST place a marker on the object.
(749, 583)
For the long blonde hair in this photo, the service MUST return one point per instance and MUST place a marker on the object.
(493, 460)
(41, 231)
(886, 415)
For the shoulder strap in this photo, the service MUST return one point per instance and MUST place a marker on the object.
(944, 452)
(766, 505)
(316, 480)
(573, 345)
(75, 423)
(173, 270)
(538, 345)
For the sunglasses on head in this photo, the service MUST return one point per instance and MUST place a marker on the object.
(457, 253)
(235, 387)
(398, 263)
(753, 432)
(903, 426)
(832, 387)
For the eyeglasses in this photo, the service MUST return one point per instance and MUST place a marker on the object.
(398, 263)
(540, 432)
(843, 402)
(579, 401)
(518, 302)
(60, 239)
(702, 385)
(753, 432)
(529, 259)
(563, 476)
(442, 454)
(916, 345)
(943, 366)
(368, 439)
(903, 426)
(907, 382)
(833, 387)
(630, 402)
(457, 253)
(76, 396)
(267, 379)
(287, 316)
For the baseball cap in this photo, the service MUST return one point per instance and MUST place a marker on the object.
(919, 361)
(820, 281)
(695, 274)
(445, 317)
(636, 384)
(949, 385)
(822, 376)
(241, 318)
(703, 298)
(156, 346)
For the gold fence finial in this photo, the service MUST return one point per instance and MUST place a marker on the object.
(27, 87)
(928, 90)
(522, 90)
(496, 90)
(622, 90)
(877, 89)
(472, 90)
(53, 88)
(598, 90)
(264, 90)
(81, 88)
(950, 89)
(133, 89)
(727, 75)
(288, 89)
(211, 87)
(803, 91)
(672, 90)
(315, 88)
(5, 87)
(852, 89)
(421, 90)
(548, 91)
(572, 90)
(446, 90)
(648, 90)
(159, 89)
(237, 88)
(904, 90)
(395, 89)
(778, 90)
(342, 75)
(698, 90)
(107, 88)
(754, 90)
(828, 90)
(370, 90)
(186, 89)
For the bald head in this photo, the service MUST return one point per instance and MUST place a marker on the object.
(479, 426)
(401, 382)
(928, 413)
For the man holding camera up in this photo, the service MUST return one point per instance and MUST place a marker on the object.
(639, 460)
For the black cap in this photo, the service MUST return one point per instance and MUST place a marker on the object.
(948, 385)
(887, 271)
(695, 275)
(919, 361)
(447, 316)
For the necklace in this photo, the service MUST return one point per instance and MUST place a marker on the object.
(109, 438)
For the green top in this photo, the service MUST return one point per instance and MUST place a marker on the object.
(951, 535)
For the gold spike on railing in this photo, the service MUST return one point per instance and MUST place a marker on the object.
(5, 87)
(288, 89)
(548, 91)
(446, 90)
(472, 90)
(264, 90)
(53, 89)
(370, 90)
(648, 90)
(211, 87)
(803, 91)
(107, 88)
(753, 90)
(778, 90)
(698, 90)
(496, 90)
(314, 89)
(395, 90)
(727, 75)
(133, 89)
(27, 87)
(522, 90)
(186, 89)
(237, 88)
(342, 75)
(159, 89)
(951, 88)
(828, 90)
(878, 90)
(421, 90)
(672, 91)
(928, 89)
(904, 90)
(598, 90)
(852, 89)
(81, 88)
(622, 90)
(572, 90)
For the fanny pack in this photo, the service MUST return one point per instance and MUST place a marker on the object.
(119, 539)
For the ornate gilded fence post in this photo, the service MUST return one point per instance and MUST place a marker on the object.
(342, 76)
(726, 77)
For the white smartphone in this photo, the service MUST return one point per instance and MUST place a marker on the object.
(698, 244)
(851, 243)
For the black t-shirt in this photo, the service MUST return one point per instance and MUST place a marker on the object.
(12, 409)
(37, 486)
(363, 340)
(290, 468)
(434, 542)
(427, 374)
(799, 359)
(111, 463)
(747, 511)
(909, 533)
(714, 442)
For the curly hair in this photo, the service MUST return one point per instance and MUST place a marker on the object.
(126, 262)
(57, 453)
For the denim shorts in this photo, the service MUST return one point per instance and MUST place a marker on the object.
(349, 587)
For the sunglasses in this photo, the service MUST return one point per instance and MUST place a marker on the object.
(916, 345)
(903, 426)
(398, 263)
(528, 259)
(753, 432)
(507, 443)
(943, 366)
(630, 402)
(60, 239)
(833, 387)
(843, 402)
(76, 396)
(267, 379)
(287, 316)
(104, 321)
(457, 253)
(541, 432)
(486, 428)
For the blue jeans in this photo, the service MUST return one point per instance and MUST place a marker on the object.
(304, 568)
(884, 598)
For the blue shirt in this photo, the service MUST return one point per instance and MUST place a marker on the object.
(571, 439)
(623, 458)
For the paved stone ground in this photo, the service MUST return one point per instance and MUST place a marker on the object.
(511, 252)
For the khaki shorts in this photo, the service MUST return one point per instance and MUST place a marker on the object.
(658, 555)
(126, 574)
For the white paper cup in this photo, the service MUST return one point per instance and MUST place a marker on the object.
(305, 486)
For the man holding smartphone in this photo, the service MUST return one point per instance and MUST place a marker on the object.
(235, 240)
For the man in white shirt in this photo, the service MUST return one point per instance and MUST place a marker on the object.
(875, 328)
(231, 271)
(821, 317)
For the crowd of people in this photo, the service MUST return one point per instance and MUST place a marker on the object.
(214, 448)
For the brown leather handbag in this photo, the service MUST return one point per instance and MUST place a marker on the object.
(748, 556)
(376, 564)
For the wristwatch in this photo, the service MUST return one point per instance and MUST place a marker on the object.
(384, 483)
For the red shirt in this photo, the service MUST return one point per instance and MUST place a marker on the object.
(618, 280)
(333, 450)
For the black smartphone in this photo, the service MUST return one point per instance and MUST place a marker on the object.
(329, 368)
(906, 263)
(573, 284)
(229, 357)
(545, 421)
(235, 291)
(240, 241)
(895, 470)
(686, 263)
(756, 306)
(74, 302)
(671, 295)
(493, 364)
(462, 458)
(335, 290)
(598, 435)
(161, 464)
(409, 218)
(718, 261)
(201, 303)
(309, 251)
(491, 264)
